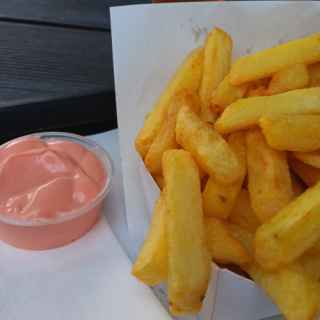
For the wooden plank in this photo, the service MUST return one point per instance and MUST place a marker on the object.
(39, 65)
(9, 94)
(51, 60)
(83, 114)
(86, 13)
(90, 13)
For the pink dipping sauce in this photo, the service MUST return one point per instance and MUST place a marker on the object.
(44, 184)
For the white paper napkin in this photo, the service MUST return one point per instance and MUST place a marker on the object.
(86, 280)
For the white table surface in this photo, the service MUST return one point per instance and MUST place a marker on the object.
(86, 280)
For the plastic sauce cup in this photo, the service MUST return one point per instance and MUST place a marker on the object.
(61, 230)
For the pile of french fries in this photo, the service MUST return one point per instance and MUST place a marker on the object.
(235, 150)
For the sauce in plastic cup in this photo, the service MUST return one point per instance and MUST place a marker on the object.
(64, 228)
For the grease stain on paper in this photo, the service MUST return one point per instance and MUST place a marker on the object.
(199, 32)
(248, 50)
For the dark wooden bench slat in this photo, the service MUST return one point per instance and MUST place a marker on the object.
(85, 13)
(85, 114)
(54, 60)
(41, 66)
(90, 13)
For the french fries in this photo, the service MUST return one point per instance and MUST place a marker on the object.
(269, 61)
(189, 262)
(290, 78)
(294, 292)
(309, 175)
(223, 247)
(159, 181)
(292, 132)
(166, 138)
(310, 158)
(244, 236)
(242, 213)
(210, 150)
(315, 250)
(216, 64)
(226, 93)
(257, 91)
(314, 74)
(311, 266)
(151, 265)
(290, 233)
(246, 113)
(293, 288)
(269, 179)
(220, 144)
(187, 77)
(257, 88)
(219, 198)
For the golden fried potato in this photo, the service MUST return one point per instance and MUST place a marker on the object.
(242, 213)
(218, 198)
(166, 137)
(310, 158)
(309, 175)
(257, 88)
(226, 93)
(290, 78)
(216, 64)
(187, 77)
(189, 260)
(210, 150)
(314, 250)
(244, 236)
(263, 82)
(223, 247)
(291, 288)
(311, 265)
(291, 232)
(269, 179)
(257, 91)
(165, 140)
(285, 285)
(314, 74)
(246, 113)
(269, 61)
(292, 132)
(159, 180)
(151, 265)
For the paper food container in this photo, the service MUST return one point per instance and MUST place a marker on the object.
(149, 42)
